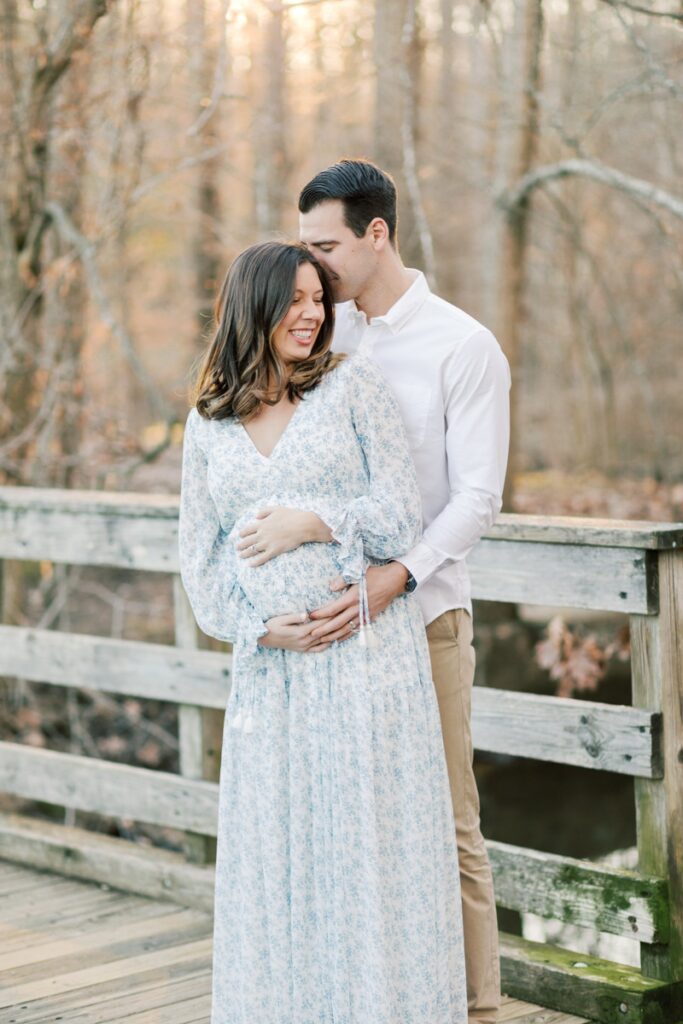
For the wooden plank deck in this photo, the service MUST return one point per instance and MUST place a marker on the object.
(81, 953)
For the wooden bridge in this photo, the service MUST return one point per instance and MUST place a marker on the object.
(75, 952)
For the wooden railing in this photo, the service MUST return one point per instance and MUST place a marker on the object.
(635, 568)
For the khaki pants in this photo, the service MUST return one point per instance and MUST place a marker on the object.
(452, 657)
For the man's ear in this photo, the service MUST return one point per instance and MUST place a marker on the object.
(379, 232)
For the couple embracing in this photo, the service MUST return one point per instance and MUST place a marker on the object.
(339, 464)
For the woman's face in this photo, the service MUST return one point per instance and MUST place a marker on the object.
(295, 335)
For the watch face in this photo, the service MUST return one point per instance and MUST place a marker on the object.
(411, 583)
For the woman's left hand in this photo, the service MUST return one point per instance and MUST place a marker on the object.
(276, 530)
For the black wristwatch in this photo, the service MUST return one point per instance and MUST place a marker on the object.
(411, 583)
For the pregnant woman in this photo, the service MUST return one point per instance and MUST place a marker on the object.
(337, 891)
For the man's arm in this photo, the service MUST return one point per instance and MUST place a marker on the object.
(476, 383)
(477, 401)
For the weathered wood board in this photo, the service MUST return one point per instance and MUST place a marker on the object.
(117, 534)
(564, 575)
(578, 983)
(105, 787)
(114, 969)
(587, 734)
(657, 665)
(181, 675)
(575, 891)
(621, 533)
(80, 853)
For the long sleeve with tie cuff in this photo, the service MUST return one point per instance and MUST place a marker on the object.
(387, 520)
(208, 560)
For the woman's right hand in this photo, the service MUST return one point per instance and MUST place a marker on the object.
(293, 633)
(276, 530)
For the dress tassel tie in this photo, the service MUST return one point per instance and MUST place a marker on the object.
(366, 635)
(244, 719)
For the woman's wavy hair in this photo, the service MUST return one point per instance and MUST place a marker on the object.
(241, 361)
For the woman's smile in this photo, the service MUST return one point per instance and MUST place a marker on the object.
(304, 335)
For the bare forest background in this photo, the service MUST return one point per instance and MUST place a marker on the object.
(538, 152)
(537, 147)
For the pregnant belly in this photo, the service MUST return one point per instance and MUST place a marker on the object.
(295, 581)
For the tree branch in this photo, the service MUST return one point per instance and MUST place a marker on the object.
(511, 200)
(152, 182)
(72, 36)
(652, 12)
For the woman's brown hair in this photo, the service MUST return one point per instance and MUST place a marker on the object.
(241, 360)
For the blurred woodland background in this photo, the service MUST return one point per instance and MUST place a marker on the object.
(538, 151)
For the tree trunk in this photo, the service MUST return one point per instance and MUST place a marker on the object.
(395, 113)
(206, 69)
(514, 250)
(270, 154)
(66, 299)
(410, 70)
(29, 396)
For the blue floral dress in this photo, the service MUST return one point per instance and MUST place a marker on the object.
(337, 891)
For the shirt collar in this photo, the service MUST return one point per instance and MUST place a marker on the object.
(402, 310)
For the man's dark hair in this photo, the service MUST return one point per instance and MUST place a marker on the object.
(364, 190)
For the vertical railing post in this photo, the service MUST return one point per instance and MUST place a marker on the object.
(657, 665)
(200, 730)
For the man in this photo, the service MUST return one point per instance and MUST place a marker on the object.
(452, 383)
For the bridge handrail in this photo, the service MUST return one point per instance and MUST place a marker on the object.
(613, 565)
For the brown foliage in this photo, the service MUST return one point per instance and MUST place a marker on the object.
(575, 661)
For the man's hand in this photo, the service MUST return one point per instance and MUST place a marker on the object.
(276, 530)
(385, 582)
(293, 633)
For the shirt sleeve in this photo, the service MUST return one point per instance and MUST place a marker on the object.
(476, 382)
(208, 560)
(387, 520)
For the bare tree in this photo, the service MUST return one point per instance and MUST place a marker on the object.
(396, 49)
(207, 68)
(514, 252)
(410, 68)
(132, 173)
(29, 397)
(58, 444)
(270, 152)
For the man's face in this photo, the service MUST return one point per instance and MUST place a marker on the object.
(348, 261)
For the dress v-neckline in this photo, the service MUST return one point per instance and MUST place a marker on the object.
(268, 458)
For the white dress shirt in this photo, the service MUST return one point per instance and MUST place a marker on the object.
(452, 383)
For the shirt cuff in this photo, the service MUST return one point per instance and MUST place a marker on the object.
(421, 562)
